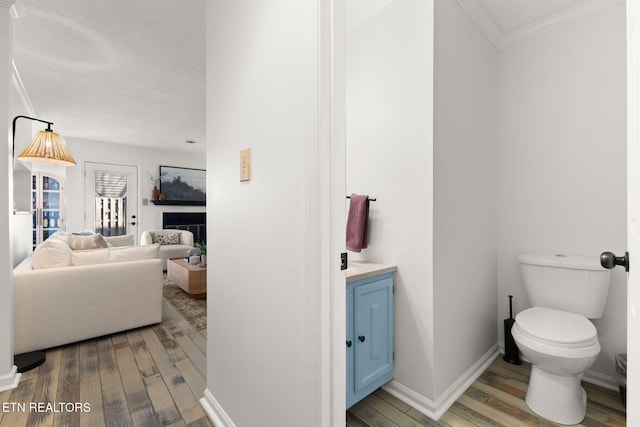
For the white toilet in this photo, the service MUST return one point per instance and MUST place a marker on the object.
(555, 334)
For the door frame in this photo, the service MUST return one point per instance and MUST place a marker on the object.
(633, 209)
(332, 71)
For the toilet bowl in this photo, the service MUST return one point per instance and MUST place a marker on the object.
(555, 335)
(561, 346)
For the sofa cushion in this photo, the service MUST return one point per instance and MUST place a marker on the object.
(134, 253)
(50, 254)
(80, 242)
(119, 241)
(116, 254)
(166, 238)
(90, 257)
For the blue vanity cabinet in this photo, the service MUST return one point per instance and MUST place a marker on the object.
(369, 335)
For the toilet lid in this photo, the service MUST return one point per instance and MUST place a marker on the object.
(557, 326)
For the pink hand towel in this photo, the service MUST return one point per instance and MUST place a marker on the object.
(357, 223)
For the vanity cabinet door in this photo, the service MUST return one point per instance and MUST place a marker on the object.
(370, 330)
(374, 329)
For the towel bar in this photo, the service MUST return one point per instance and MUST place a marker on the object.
(370, 199)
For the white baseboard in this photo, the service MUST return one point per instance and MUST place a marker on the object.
(435, 410)
(214, 411)
(432, 409)
(10, 380)
(602, 380)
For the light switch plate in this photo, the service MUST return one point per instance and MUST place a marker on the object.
(245, 165)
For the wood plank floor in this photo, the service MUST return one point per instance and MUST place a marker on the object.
(494, 399)
(155, 376)
(151, 376)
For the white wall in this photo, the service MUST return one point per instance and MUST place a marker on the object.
(562, 159)
(464, 192)
(8, 377)
(21, 233)
(145, 159)
(421, 139)
(22, 189)
(25, 131)
(389, 66)
(263, 359)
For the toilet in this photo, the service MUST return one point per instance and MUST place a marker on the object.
(555, 335)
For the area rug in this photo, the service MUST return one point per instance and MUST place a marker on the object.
(193, 309)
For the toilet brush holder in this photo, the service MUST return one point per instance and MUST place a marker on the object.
(511, 351)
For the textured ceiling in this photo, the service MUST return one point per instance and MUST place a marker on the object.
(123, 71)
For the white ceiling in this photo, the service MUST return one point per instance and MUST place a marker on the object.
(123, 71)
(133, 71)
(504, 22)
(512, 15)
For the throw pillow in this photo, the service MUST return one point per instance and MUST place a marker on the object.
(62, 235)
(51, 253)
(78, 242)
(84, 233)
(166, 238)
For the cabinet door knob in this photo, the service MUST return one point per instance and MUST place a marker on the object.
(349, 343)
(361, 338)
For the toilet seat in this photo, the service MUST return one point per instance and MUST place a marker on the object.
(557, 327)
(556, 333)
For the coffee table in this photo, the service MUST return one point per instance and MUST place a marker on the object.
(190, 277)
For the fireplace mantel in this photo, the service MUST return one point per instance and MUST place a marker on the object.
(179, 202)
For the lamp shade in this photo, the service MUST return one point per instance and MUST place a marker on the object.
(47, 148)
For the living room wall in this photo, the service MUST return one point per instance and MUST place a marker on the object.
(145, 159)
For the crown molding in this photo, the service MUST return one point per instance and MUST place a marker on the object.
(502, 40)
(17, 10)
(479, 15)
(557, 20)
(22, 91)
(6, 3)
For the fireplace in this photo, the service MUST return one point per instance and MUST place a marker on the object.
(195, 222)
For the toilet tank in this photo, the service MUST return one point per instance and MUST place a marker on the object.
(577, 284)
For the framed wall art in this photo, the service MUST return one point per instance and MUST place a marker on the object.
(183, 186)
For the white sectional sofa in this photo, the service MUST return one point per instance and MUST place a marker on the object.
(84, 294)
(169, 248)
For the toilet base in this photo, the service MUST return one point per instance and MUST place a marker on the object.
(558, 398)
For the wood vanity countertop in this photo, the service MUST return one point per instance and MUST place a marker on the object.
(364, 269)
